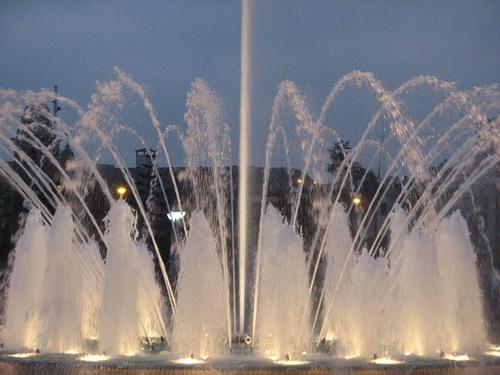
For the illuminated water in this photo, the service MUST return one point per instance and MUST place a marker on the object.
(327, 274)
(417, 293)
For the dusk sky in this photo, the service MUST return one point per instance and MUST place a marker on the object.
(165, 45)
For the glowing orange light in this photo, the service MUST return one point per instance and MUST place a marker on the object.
(121, 190)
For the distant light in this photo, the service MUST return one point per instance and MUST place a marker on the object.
(94, 358)
(300, 181)
(386, 361)
(22, 355)
(176, 215)
(457, 357)
(121, 190)
(356, 200)
(494, 353)
(187, 361)
(71, 351)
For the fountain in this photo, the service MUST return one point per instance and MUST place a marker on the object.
(311, 270)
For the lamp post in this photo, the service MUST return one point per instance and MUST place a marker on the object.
(358, 210)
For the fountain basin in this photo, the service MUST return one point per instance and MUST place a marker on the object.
(167, 363)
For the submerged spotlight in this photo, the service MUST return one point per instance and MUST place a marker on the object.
(385, 360)
(291, 362)
(493, 353)
(22, 355)
(94, 358)
(456, 357)
(188, 361)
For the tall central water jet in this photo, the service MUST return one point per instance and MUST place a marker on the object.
(243, 181)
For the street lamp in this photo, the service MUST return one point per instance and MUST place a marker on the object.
(121, 190)
(356, 200)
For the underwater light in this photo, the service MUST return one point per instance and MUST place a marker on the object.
(287, 361)
(456, 357)
(351, 356)
(94, 358)
(386, 361)
(188, 361)
(22, 355)
(494, 353)
(291, 362)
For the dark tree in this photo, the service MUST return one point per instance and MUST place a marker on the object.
(66, 155)
(337, 155)
(33, 139)
(359, 179)
(36, 127)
